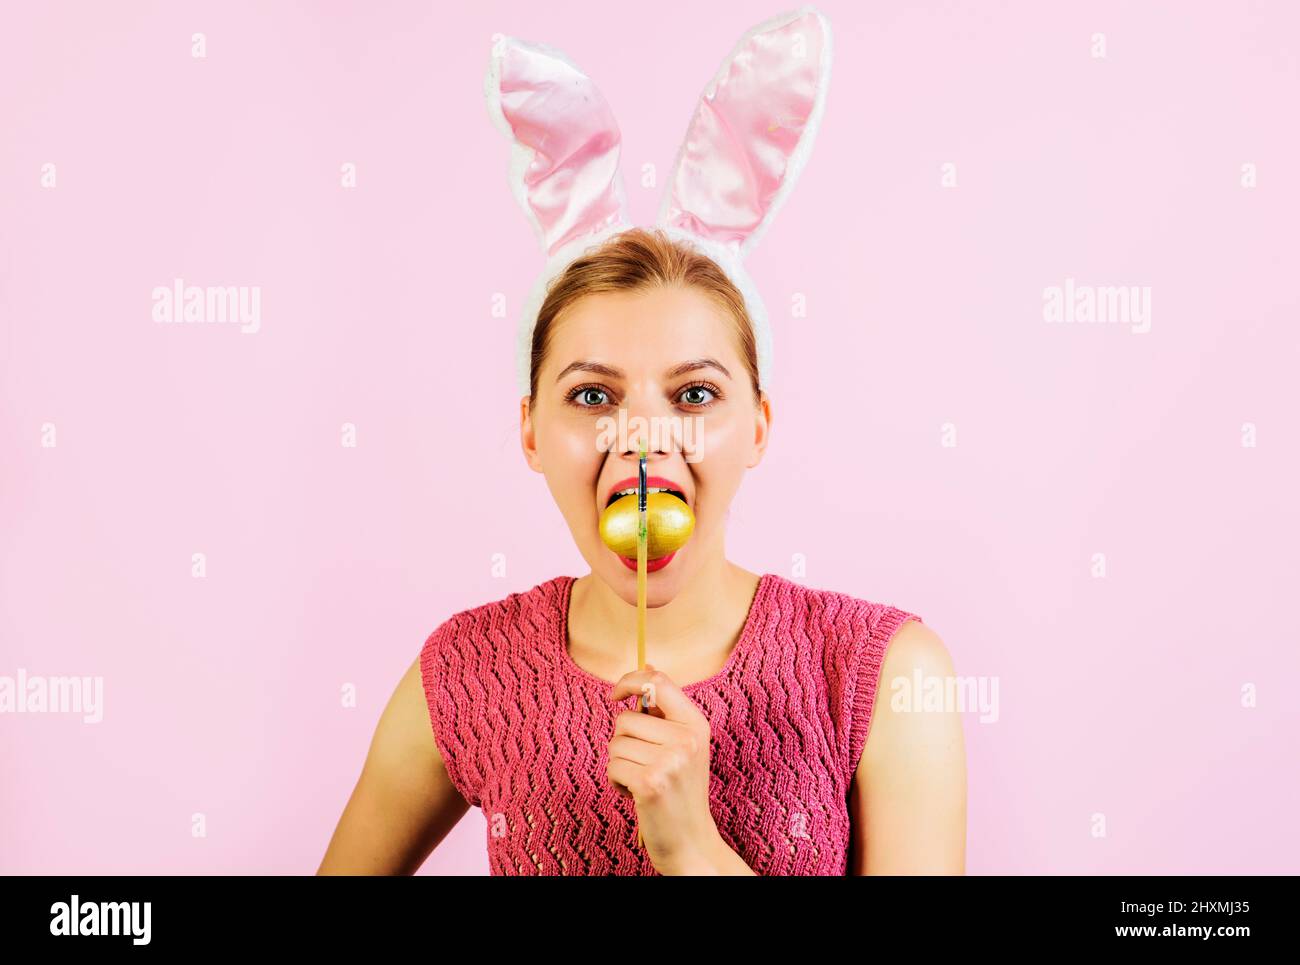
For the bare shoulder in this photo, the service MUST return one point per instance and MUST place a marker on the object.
(403, 803)
(916, 646)
(404, 725)
(909, 788)
(904, 725)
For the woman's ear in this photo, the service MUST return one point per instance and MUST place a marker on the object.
(527, 437)
(762, 428)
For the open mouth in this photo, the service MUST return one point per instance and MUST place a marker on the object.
(619, 494)
(653, 484)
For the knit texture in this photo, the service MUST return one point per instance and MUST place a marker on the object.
(524, 731)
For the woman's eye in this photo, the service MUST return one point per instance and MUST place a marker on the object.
(697, 395)
(591, 397)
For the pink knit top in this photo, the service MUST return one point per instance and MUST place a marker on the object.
(524, 731)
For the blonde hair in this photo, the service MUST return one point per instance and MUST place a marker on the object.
(633, 260)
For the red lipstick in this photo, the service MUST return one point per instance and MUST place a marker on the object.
(650, 565)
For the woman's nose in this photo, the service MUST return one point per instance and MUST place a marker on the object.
(657, 435)
(647, 422)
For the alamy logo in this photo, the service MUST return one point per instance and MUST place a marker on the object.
(102, 918)
(34, 694)
(237, 304)
(658, 433)
(1127, 304)
(927, 693)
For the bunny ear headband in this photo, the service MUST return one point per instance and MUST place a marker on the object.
(748, 140)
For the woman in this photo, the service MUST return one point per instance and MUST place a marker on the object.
(767, 752)
(763, 749)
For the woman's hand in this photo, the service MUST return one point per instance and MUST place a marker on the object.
(661, 760)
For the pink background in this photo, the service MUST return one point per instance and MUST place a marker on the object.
(329, 565)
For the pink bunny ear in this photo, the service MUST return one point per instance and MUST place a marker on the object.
(751, 132)
(564, 166)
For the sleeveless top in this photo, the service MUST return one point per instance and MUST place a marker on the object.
(524, 731)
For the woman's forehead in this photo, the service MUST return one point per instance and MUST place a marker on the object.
(647, 326)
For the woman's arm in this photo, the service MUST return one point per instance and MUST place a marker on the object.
(404, 803)
(908, 803)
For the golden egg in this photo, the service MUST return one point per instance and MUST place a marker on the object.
(669, 523)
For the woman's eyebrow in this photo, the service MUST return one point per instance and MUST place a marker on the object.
(694, 364)
(600, 368)
(583, 365)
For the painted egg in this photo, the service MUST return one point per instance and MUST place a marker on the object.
(669, 523)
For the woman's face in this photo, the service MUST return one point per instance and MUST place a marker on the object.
(669, 358)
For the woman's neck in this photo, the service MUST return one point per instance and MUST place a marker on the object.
(689, 638)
